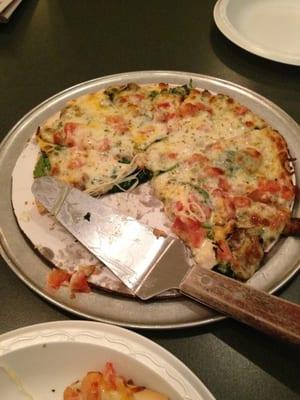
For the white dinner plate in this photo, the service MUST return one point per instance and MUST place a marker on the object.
(43, 359)
(268, 28)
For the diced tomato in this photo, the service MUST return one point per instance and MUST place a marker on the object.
(288, 192)
(179, 206)
(215, 146)
(139, 96)
(57, 277)
(109, 376)
(166, 116)
(242, 201)
(240, 110)
(224, 184)
(190, 109)
(91, 386)
(195, 158)
(104, 145)
(70, 127)
(76, 163)
(172, 155)
(218, 193)
(59, 137)
(55, 169)
(253, 152)
(259, 195)
(71, 394)
(163, 85)
(265, 190)
(279, 221)
(229, 207)
(258, 220)
(123, 99)
(214, 171)
(165, 104)
(79, 283)
(223, 251)
(269, 186)
(189, 230)
(118, 122)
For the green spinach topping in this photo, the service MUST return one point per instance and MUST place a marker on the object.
(224, 268)
(42, 167)
(144, 175)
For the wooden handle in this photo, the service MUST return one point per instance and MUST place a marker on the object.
(262, 311)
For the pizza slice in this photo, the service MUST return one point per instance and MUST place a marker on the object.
(109, 386)
(231, 202)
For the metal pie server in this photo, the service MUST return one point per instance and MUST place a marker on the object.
(149, 265)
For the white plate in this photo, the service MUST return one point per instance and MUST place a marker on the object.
(48, 357)
(268, 28)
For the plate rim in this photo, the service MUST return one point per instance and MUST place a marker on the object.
(105, 80)
(78, 331)
(232, 33)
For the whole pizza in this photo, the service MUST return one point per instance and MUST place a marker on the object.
(223, 175)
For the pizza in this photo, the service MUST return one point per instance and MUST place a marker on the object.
(108, 385)
(223, 175)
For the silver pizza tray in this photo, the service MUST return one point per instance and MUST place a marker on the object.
(280, 265)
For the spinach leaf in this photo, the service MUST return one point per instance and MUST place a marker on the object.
(183, 90)
(124, 160)
(153, 94)
(143, 176)
(224, 269)
(42, 167)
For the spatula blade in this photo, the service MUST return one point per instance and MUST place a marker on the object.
(144, 262)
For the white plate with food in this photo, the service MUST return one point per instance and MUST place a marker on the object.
(210, 107)
(267, 28)
(45, 361)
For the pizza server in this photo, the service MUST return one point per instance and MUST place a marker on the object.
(149, 264)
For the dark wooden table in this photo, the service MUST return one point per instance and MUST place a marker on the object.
(50, 45)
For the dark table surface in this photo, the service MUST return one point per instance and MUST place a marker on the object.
(50, 45)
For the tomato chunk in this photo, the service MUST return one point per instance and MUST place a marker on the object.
(288, 192)
(91, 386)
(57, 277)
(224, 184)
(223, 251)
(189, 230)
(71, 394)
(79, 282)
(196, 158)
(241, 201)
(70, 127)
(190, 109)
(109, 375)
(214, 171)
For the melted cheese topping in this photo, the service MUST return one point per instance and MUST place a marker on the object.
(216, 166)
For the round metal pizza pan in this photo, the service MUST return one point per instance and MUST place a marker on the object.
(280, 265)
